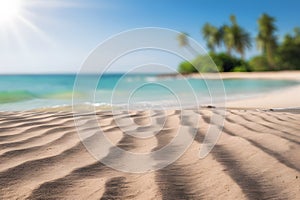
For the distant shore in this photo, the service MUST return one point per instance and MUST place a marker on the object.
(284, 98)
(275, 75)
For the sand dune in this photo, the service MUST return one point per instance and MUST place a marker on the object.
(256, 157)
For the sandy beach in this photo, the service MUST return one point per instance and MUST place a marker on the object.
(256, 157)
(287, 98)
(149, 100)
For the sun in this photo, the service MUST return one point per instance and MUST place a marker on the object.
(9, 9)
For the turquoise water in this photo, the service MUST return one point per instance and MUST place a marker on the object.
(23, 92)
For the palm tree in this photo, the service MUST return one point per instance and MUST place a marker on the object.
(297, 34)
(212, 35)
(183, 39)
(266, 40)
(228, 38)
(235, 37)
(242, 40)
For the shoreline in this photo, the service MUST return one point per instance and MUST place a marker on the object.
(283, 98)
(273, 75)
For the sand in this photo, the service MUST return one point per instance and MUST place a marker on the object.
(256, 156)
(285, 98)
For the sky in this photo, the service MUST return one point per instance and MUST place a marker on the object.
(56, 36)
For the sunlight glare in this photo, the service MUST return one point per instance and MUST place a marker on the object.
(9, 9)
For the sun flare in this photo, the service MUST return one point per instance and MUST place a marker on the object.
(9, 9)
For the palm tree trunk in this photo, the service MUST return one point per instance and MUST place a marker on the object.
(269, 53)
(243, 56)
(192, 50)
(229, 51)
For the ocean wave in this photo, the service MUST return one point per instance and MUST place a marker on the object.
(16, 96)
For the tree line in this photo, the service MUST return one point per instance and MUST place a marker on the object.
(275, 55)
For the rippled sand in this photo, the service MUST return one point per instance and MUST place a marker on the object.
(256, 157)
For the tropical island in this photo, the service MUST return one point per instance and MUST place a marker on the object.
(232, 41)
(79, 122)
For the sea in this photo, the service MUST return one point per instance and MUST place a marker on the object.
(126, 91)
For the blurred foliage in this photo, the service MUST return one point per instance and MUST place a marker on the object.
(202, 63)
(259, 63)
(232, 36)
(223, 62)
(228, 63)
(288, 54)
(186, 67)
(275, 55)
(242, 68)
(266, 39)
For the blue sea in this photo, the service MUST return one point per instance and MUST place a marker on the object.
(25, 92)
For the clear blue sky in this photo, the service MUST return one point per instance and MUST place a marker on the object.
(57, 35)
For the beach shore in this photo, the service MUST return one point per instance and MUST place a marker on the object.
(284, 98)
(256, 156)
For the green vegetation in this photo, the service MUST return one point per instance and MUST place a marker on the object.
(184, 42)
(186, 67)
(224, 62)
(200, 63)
(212, 35)
(289, 51)
(236, 40)
(266, 39)
(228, 63)
(259, 63)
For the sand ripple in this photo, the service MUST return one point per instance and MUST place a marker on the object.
(257, 156)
